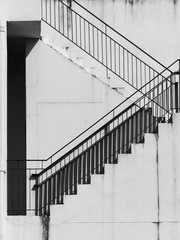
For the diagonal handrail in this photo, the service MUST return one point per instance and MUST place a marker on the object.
(104, 144)
(157, 104)
(99, 43)
(114, 30)
(142, 91)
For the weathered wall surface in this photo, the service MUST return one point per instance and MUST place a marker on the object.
(151, 24)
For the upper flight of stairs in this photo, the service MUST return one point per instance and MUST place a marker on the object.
(100, 49)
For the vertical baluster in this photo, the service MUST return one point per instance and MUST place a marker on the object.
(49, 193)
(97, 158)
(114, 56)
(70, 178)
(92, 160)
(101, 157)
(93, 41)
(40, 200)
(123, 56)
(59, 17)
(89, 38)
(75, 176)
(79, 170)
(105, 144)
(128, 66)
(88, 166)
(115, 145)
(176, 96)
(132, 76)
(54, 14)
(136, 73)
(132, 127)
(45, 198)
(72, 25)
(42, 13)
(136, 127)
(58, 186)
(67, 22)
(118, 139)
(62, 185)
(84, 167)
(63, 16)
(50, 11)
(76, 30)
(127, 135)
(110, 147)
(110, 54)
(102, 48)
(84, 36)
(66, 179)
(80, 32)
(97, 44)
(141, 125)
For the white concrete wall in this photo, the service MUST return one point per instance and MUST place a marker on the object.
(24, 228)
(21, 10)
(169, 178)
(121, 204)
(151, 24)
(62, 100)
(138, 198)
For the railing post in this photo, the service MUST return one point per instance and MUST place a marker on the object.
(106, 52)
(35, 188)
(176, 82)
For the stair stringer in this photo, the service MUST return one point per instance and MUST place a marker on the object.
(85, 61)
(121, 204)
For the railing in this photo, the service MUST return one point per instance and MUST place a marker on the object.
(113, 134)
(89, 151)
(111, 49)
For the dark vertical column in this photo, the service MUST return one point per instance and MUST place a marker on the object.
(16, 141)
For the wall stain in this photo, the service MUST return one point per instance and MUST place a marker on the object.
(45, 224)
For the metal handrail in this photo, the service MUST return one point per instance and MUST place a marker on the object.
(111, 111)
(98, 44)
(104, 145)
(114, 30)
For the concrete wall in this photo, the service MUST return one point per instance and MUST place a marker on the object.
(62, 100)
(24, 228)
(136, 199)
(169, 179)
(151, 24)
(21, 10)
(121, 204)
